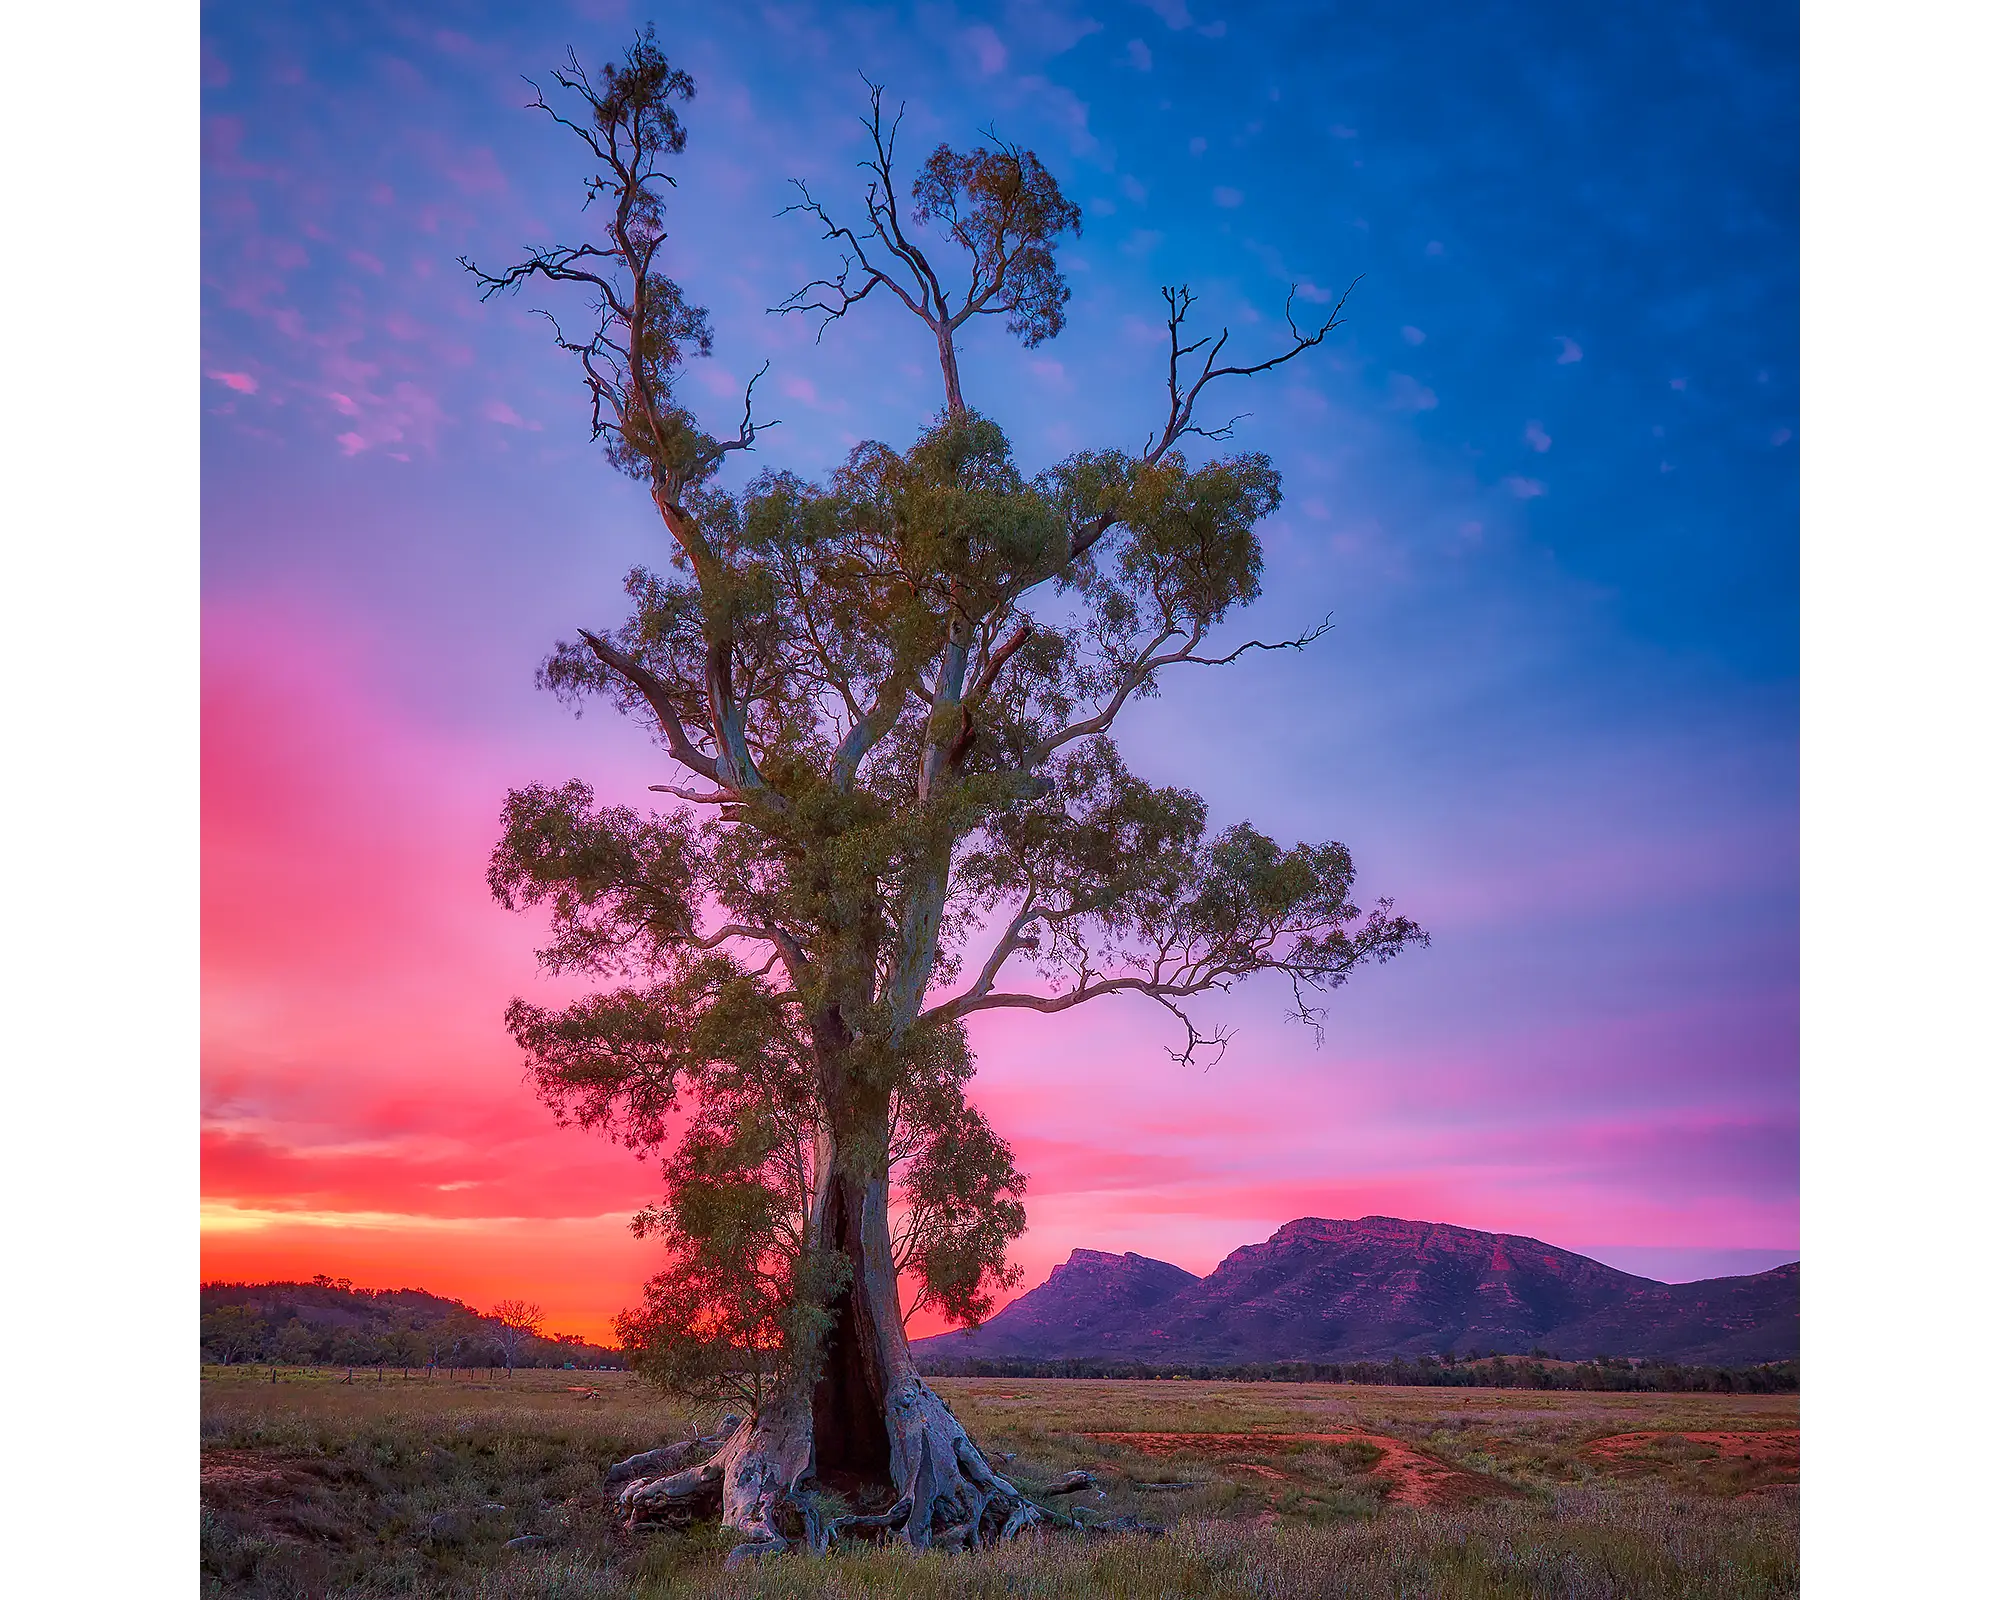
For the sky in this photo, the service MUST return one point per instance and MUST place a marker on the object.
(1544, 480)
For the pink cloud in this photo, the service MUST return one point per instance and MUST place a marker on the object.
(988, 53)
(504, 414)
(222, 149)
(1407, 394)
(476, 172)
(241, 382)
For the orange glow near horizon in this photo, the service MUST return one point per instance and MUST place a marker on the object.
(365, 1114)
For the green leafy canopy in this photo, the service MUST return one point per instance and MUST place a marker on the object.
(888, 699)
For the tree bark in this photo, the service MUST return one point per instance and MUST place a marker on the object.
(954, 397)
(868, 1430)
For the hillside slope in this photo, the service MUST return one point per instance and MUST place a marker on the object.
(1089, 1306)
(1379, 1287)
(329, 1320)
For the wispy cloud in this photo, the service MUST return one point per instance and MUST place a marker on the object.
(1174, 13)
(504, 414)
(988, 54)
(1407, 394)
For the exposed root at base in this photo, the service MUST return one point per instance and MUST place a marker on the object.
(759, 1477)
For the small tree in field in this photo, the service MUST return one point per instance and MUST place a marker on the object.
(297, 1344)
(447, 1339)
(518, 1325)
(890, 697)
(232, 1334)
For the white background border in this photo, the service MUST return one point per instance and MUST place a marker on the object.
(1901, 596)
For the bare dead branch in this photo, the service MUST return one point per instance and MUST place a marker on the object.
(1308, 637)
(1181, 399)
(998, 205)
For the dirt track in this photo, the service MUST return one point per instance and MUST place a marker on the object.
(1415, 1479)
(1774, 1447)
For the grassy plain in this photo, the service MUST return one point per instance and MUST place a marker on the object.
(313, 1487)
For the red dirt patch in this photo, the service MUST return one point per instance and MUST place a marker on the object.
(1718, 1462)
(1415, 1479)
(1771, 1491)
(279, 1497)
(241, 1474)
(1777, 1447)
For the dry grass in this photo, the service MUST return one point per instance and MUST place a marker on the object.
(313, 1487)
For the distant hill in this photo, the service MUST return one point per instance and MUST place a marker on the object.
(1088, 1304)
(1380, 1287)
(330, 1322)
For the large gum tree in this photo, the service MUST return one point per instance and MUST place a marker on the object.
(888, 703)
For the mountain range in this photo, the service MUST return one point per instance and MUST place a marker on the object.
(1376, 1288)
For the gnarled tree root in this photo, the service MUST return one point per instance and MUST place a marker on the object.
(760, 1475)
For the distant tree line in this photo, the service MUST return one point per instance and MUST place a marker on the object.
(326, 1321)
(1492, 1372)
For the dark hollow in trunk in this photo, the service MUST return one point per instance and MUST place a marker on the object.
(870, 1429)
(850, 1438)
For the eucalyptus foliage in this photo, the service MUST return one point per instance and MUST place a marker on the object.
(889, 698)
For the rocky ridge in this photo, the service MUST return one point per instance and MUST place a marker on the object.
(1380, 1287)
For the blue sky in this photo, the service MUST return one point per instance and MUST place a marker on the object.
(1544, 480)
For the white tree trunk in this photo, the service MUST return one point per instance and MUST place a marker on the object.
(870, 1430)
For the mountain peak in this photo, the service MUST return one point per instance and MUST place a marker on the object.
(1076, 1309)
(1328, 1228)
(1322, 1288)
